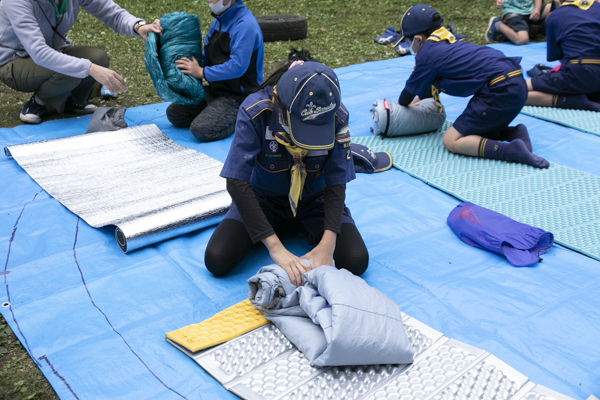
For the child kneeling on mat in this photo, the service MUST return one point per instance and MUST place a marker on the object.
(287, 169)
(464, 69)
(573, 36)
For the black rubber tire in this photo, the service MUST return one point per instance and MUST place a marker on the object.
(282, 27)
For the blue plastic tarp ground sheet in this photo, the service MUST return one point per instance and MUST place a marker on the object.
(94, 319)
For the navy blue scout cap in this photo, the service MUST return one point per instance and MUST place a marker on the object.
(418, 19)
(366, 161)
(311, 95)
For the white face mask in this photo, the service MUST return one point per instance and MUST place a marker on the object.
(412, 43)
(218, 8)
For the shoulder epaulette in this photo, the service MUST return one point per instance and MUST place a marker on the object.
(255, 108)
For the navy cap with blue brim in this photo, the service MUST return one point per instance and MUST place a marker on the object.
(311, 95)
(368, 162)
(417, 19)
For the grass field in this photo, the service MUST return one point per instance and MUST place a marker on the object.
(340, 33)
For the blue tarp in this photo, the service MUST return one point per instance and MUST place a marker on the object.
(95, 318)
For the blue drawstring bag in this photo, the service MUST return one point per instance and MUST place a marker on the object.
(181, 38)
(485, 229)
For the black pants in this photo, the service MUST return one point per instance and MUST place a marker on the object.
(210, 120)
(231, 242)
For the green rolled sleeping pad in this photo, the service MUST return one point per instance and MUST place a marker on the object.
(181, 38)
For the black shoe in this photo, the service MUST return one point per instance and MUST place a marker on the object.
(75, 107)
(32, 112)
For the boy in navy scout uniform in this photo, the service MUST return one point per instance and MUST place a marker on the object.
(573, 37)
(464, 69)
(288, 167)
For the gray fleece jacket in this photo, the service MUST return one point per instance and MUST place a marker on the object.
(26, 30)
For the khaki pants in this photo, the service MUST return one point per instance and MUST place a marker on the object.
(23, 75)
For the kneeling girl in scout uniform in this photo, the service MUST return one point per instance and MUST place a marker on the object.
(288, 167)
(464, 69)
(573, 37)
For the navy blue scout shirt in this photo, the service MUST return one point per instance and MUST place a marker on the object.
(233, 53)
(572, 33)
(256, 157)
(458, 69)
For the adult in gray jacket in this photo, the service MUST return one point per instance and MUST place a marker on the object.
(36, 56)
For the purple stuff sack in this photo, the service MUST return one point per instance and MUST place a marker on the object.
(479, 227)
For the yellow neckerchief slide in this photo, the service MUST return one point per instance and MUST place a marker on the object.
(582, 4)
(298, 171)
(442, 34)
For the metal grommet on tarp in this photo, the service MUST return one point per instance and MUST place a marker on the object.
(6, 304)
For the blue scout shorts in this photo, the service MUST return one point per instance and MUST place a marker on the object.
(309, 219)
(494, 107)
(580, 76)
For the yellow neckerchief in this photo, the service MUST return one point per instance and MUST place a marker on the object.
(581, 4)
(298, 171)
(442, 34)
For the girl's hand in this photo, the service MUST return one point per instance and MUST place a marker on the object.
(286, 260)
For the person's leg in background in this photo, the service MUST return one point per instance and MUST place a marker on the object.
(51, 88)
(79, 102)
(182, 115)
(217, 120)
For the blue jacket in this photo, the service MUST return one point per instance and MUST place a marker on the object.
(233, 53)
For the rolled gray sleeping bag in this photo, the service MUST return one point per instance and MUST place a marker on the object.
(425, 117)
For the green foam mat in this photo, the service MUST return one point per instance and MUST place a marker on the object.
(586, 121)
(561, 200)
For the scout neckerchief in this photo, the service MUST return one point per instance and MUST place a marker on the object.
(59, 11)
(442, 34)
(582, 4)
(438, 36)
(298, 171)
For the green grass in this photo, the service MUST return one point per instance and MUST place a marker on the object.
(340, 33)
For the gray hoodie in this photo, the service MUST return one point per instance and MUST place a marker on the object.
(26, 30)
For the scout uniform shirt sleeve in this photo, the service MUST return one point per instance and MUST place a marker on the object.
(553, 37)
(420, 81)
(339, 166)
(246, 144)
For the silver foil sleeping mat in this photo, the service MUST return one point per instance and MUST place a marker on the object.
(263, 364)
(135, 178)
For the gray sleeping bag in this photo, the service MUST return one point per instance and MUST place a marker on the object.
(336, 318)
(425, 117)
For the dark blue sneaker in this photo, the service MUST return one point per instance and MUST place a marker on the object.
(75, 107)
(458, 36)
(389, 37)
(492, 34)
(402, 48)
(32, 112)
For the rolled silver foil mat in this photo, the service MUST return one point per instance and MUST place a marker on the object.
(137, 179)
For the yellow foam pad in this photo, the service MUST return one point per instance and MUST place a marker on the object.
(226, 325)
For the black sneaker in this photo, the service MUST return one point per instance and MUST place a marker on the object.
(75, 107)
(32, 112)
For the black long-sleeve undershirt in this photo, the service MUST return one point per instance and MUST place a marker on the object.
(256, 222)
